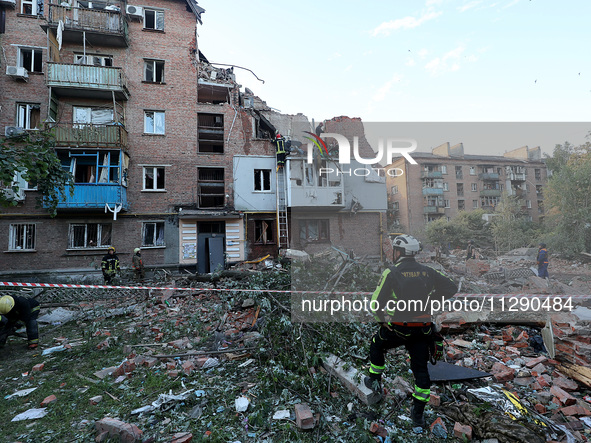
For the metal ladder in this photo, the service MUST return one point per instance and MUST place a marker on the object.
(282, 219)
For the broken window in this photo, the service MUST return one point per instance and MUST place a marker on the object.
(538, 174)
(90, 235)
(93, 166)
(472, 170)
(28, 116)
(446, 203)
(154, 71)
(459, 173)
(154, 122)
(460, 189)
(84, 116)
(263, 232)
(93, 60)
(31, 59)
(154, 19)
(21, 237)
(211, 133)
(211, 187)
(262, 179)
(461, 205)
(312, 231)
(153, 178)
(32, 7)
(153, 234)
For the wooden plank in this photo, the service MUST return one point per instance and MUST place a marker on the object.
(576, 372)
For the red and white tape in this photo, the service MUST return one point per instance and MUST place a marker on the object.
(161, 288)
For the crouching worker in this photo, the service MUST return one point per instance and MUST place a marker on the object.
(408, 281)
(16, 310)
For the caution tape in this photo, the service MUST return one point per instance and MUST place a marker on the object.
(277, 291)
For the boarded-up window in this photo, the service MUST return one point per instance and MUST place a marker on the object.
(263, 232)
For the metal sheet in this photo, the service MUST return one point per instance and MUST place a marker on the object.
(443, 371)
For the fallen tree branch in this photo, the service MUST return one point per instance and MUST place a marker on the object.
(223, 351)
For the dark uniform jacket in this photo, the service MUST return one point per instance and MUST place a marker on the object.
(414, 283)
(110, 263)
(25, 310)
(542, 256)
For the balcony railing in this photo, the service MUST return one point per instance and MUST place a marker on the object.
(95, 196)
(100, 27)
(514, 176)
(432, 191)
(488, 176)
(431, 174)
(433, 210)
(490, 193)
(89, 135)
(96, 81)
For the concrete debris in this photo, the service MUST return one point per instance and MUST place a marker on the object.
(350, 379)
(110, 427)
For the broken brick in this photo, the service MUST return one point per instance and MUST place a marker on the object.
(150, 361)
(126, 432)
(505, 376)
(188, 367)
(463, 432)
(575, 410)
(539, 360)
(566, 384)
(124, 368)
(48, 400)
(438, 421)
(103, 345)
(563, 397)
(182, 437)
(434, 400)
(304, 417)
(38, 367)
(173, 374)
(540, 408)
(170, 365)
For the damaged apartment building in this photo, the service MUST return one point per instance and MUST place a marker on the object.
(166, 153)
(447, 181)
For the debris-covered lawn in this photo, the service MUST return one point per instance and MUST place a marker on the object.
(231, 366)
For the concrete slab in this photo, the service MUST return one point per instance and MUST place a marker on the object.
(351, 378)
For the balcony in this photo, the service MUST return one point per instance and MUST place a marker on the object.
(73, 80)
(89, 135)
(317, 197)
(488, 176)
(518, 177)
(101, 28)
(433, 210)
(431, 174)
(95, 196)
(11, 3)
(432, 191)
(490, 193)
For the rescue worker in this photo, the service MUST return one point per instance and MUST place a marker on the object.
(110, 265)
(279, 143)
(138, 265)
(408, 280)
(319, 129)
(470, 250)
(542, 261)
(15, 309)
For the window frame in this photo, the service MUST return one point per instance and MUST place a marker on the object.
(34, 5)
(394, 189)
(474, 187)
(82, 59)
(155, 244)
(211, 185)
(155, 169)
(13, 240)
(100, 243)
(154, 126)
(35, 52)
(261, 181)
(270, 228)
(154, 63)
(24, 115)
(156, 12)
(306, 223)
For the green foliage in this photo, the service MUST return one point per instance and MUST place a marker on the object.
(457, 232)
(510, 229)
(33, 156)
(568, 200)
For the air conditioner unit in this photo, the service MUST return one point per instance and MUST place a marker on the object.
(13, 131)
(17, 72)
(10, 195)
(135, 11)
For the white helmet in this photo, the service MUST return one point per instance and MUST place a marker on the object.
(407, 244)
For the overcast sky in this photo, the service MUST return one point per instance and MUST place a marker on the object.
(410, 61)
